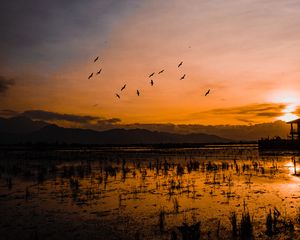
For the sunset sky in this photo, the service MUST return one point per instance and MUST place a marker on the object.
(246, 52)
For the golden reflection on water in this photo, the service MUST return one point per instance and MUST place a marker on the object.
(129, 189)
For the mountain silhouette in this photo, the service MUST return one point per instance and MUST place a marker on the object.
(55, 134)
(20, 124)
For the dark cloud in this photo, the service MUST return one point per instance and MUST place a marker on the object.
(5, 84)
(8, 113)
(110, 121)
(269, 114)
(105, 124)
(266, 109)
(53, 116)
(245, 120)
(254, 110)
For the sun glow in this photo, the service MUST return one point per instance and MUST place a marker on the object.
(291, 101)
(289, 114)
(288, 117)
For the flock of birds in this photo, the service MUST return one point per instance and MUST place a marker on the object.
(98, 72)
(151, 81)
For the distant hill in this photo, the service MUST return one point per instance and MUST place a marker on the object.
(21, 128)
(20, 124)
(252, 132)
(55, 134)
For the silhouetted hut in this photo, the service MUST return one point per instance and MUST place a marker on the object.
(295, 129)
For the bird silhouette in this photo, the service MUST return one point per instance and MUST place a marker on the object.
(182, 77)
(151, 82)
(90, 76)
(96, 59)
(138, 92)
(161, 71)
(207, 92)
(151, 75)
(123, 87)
(118, 96)
(180, 64)
(99, 71)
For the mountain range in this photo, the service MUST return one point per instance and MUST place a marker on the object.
(22, 129)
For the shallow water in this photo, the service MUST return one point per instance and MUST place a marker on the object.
(145, 193)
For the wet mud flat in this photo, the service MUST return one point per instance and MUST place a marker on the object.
(214, 192)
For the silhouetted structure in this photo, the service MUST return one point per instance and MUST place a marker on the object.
(293, 141)
(295, 129)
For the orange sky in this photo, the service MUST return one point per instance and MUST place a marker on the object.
(246, 52)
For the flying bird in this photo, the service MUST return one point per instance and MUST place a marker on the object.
(118, 96)
(180, 64)
(161, 71)
(151, 75)
(138, 92)
(182, 77)
(96, 59)
(99, 71)
(90, 76)
(123, 87)
(151, 82)
(207, 92)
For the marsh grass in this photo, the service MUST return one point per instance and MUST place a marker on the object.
(246, 226)
(175, 205)
(234, 227)
(190, 232)
(162, 221)
(276, 224)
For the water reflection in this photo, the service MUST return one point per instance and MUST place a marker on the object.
(149, 193)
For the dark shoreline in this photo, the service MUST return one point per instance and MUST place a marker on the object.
(58, 146)
(278, 144)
